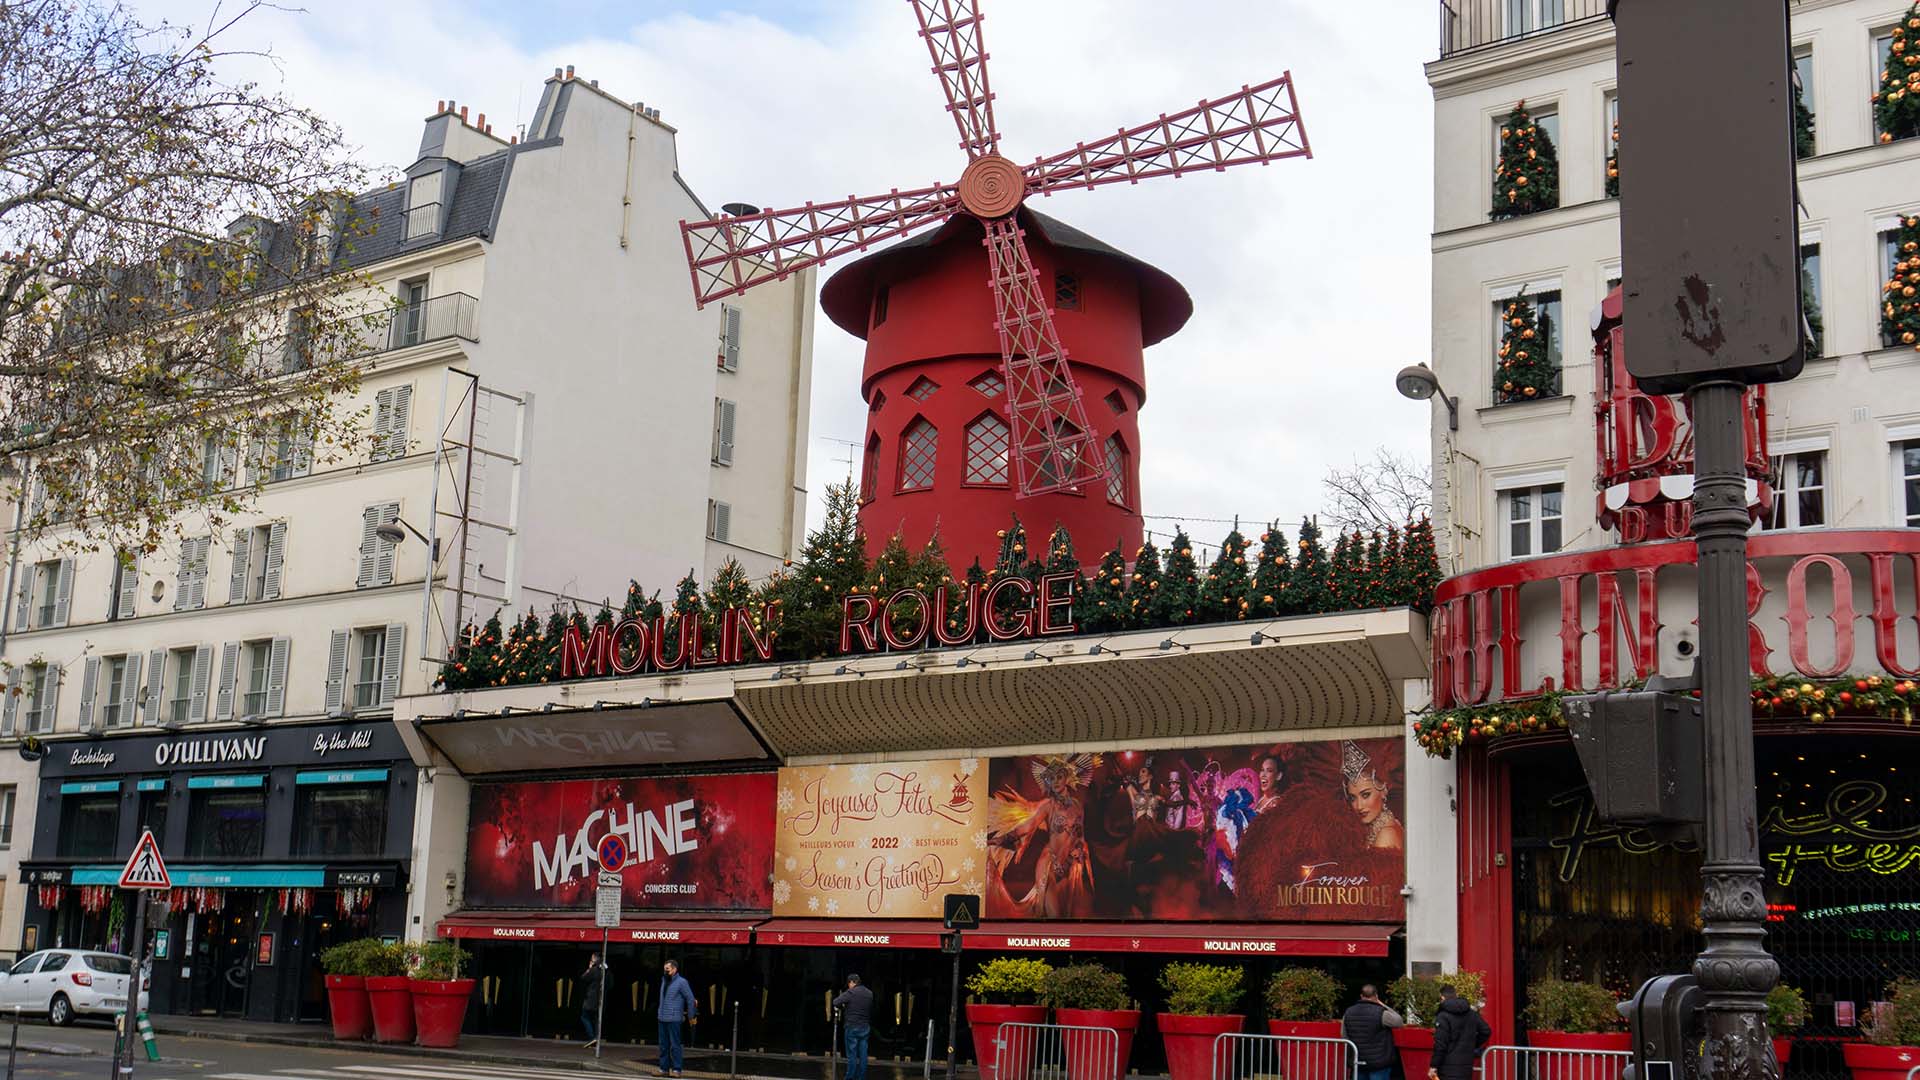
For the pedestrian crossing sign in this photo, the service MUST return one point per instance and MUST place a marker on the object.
(145, 869)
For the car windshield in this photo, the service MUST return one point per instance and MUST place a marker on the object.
(109, 963)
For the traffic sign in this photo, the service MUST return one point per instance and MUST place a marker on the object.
(962, 912)
(606, 907)
(145, 869)
(609, 880)
(612, 852)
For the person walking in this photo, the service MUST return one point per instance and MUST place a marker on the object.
(592, 981)
(677, 1006)
(1458, 1037)
(1368, 1024)
(856, 1020)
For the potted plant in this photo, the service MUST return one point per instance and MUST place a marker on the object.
(1786, 1014)
(1303, 1002)
(1008, 990)
(1893, 1036)
(1417, 997)
(1564, 1015)
(1199, 1000)
(440, 995)
(1091, 996)
(389, 992)
(345, 965)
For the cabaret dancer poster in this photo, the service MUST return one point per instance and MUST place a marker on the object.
(1306, 831)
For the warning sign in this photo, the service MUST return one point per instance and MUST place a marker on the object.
(145, 869)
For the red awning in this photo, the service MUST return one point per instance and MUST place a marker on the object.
(854, 933)
(1227, 939)
(545, 926)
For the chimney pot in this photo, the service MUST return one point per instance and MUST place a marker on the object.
(595, 83)
(556, 73)
(463, 114)
(514, 141)
(482, 122)
(569, 71)
(439, 107)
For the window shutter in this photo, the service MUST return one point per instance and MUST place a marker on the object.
(369, 546)
(302, 454)
(276, 558)
(390, 670)
(129, 588)
(50, 716)
(277, 676)
(397, 427)
(229, 665)
(384, 551)
(229, 466)
(63, 598)
(130, 689)
(382, 422)
(150, 709)
(723, 418)
(202, 563)
(242, 556)
(89, 681)
(257, 454)
(202, 671)
(336, 672)
(730, 339)
(12, 708)
(23, 612)
(720, 519)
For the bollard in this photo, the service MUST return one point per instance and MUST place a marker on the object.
(733, 1045)
(13, 1044)
(151, 1044)
(833, 1049)
(926, 1058)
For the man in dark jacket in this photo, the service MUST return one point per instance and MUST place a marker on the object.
(677, 1006)
(591, 982)
(1368, 1025)
(1458, 1037)
(856, 1020)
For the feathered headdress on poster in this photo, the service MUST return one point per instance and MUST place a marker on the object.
(1355, 765)
(1064, 773)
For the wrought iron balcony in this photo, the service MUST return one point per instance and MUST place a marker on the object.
(1466, 25)
(451, 315)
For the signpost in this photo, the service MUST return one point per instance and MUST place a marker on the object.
(612, 853)
(961, 912)
(145, 872)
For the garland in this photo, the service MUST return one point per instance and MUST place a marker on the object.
(1869, 697)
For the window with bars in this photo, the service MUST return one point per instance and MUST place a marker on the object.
(1066, 291)
(922, 388)
(1056, 466)
(1799, 491)
(1908, 461)
(989, 384)
(870, 469)
(919, 449)
(988, 440)
(1116, 471)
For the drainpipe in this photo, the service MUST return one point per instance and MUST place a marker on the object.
(13, 558)
(626, 181)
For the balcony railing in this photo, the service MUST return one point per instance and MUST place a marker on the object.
(1472, 24)
(446, 316)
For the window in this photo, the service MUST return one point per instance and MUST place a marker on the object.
(1909, 465)
(303, 324)
(1882, 54)
(989, 384)
(116, 707)
(880, 305)
(256, 660)
(1116, 402)
(27, 966)
(922, 388)
(879, 402)
(340, 820)
(320, 249)
(89, 825)
(1610, 159)
(411, 326)
(392, 410)
(48, 579)
(9, 795)
(870, 469)
(1116, 471)
(1546, 311)
(1530, 16)
(125, 593)
(729, 359)
(228, 822)
(724, 413)
(153, 808)
(41, 697)
(919, 449)
(1546, 117)
(423, 205)
(259, 554)
(988, 440)
(1799, 490)
(180, 706)
(1061, 464)
(1532, 517)
(291, 456)
(371, 650)
(1066, 291)
(1803, 91)
(719, 520)
(55, 962)
(1810, 297)
(218, 462)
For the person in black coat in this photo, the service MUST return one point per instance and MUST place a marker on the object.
(591, 982)
(1368, 1024)
(1458, 1037)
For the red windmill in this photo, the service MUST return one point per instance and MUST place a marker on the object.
(927, 293)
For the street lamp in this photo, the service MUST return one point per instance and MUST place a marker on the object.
(1417, 381)
(392, 533)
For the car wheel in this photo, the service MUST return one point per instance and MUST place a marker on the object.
(60, 1011)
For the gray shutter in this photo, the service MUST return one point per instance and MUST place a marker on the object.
(23, 613)
(183, 578)
(277, 676)
(369, 546)
(730, 348)
(129, 587)
(229, 668)
(12, 708)
(130, 690)
(152, 709)
(202, 672)
(723, 419)
(197, 569)
(722, 520)
(397, 426)
(337, 672)
(390, 670)
(89, 680)
(276, 558)
(63, 597)
(229, 465)
(257, 455)
(302, 454)
(382, 422)
(384, 552)
(242, 555)
(50, 716)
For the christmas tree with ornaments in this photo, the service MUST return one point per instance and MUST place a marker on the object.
(1525, 371)
(1896, 104)
(1900, 297)
(1526, 179)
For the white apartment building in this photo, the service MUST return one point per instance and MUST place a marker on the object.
(547, 322)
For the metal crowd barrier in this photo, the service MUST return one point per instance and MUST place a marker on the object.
(1284, 1057)
(1537, 1063)
(1053, 1052)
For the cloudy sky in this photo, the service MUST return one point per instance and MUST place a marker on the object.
(1309, 278)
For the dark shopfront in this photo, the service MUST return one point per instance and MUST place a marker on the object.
(280, 841)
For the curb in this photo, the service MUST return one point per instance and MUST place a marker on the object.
(400, 1049)
(57, 1049)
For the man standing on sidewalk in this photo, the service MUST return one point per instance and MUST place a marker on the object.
(591, 983)
(677, 1005)
(1368, 1025)
(856, 1019)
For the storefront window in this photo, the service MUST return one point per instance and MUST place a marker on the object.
(153, 813)
(228, 824)
(341, 820)
(89, 825)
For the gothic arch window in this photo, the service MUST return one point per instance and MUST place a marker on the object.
(988, 441)
(1117, 460)
(919, 449)
(870, 468)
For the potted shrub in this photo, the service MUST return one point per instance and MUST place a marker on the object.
(440, 995)
(1893, 1036)
(1417, 997)
(1303, 1002)
(1786, 1013)
(345, 965)
(1008, 992)
(1200, 998)
(390, 992)
(1090, 996)
(1563, 1015)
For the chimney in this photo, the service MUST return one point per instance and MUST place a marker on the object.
(482, 122)
(556, 73)
(439, 107)
(463, 114)
(569, 71)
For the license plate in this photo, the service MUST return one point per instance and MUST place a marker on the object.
(116, 1003)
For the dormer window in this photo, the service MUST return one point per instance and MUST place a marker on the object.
(320, 253)
(423, 205)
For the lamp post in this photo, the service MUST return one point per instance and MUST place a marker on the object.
(1417, 381)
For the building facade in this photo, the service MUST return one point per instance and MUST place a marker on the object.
(1563, 518)
(550, 416)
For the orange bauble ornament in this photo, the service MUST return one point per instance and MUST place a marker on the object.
(1522, 181)
(1526, 334)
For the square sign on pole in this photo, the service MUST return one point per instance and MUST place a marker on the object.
(606, 902)
(1709, 244)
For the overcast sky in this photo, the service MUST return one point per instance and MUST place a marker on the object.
(1309, 278)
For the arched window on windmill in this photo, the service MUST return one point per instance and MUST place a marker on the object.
(988, 440)
(870, 469)
(1116, 451)
(919, 449)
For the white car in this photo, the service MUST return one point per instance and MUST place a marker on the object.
(65, 983)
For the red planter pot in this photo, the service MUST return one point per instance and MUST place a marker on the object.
(1871, 1062)
(1189, 1042)
(1782, 1048)
(392, 999)
(439, 1010)
(1552, 1066)
(347, 1006)
(1416, 1049)
(1013, 1061)
(1090, 1056)
(1306, 1029)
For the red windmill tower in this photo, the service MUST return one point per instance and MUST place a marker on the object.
(972, 402)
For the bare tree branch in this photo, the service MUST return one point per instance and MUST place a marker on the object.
(1373, 496)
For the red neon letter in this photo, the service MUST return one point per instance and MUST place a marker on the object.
(971, 624)
(862, 625)
(744, 634)
(588, 657)
(615, 654)
(1048, 602)
(1841, 616)
(1023, 619)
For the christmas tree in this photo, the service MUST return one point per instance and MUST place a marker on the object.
(1307, 591)
(1810, 307)
(893, 571)
(556, 634)
(1896, 104)
(1526, 370)
(1802, 123)
(1526, 179)
(686, 601)
(832, 563)
(1015, 560)
(483, 659)
(730, 588)
(1393, 579)
(1422, 564)
(1102, 602)
(1142, 586)
(1223, 595)
(1178, 598)
(1900, 311)
(1060, 556)
(1373, 588)
(1269, 591)
(1613, 163)
(1343, 577)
